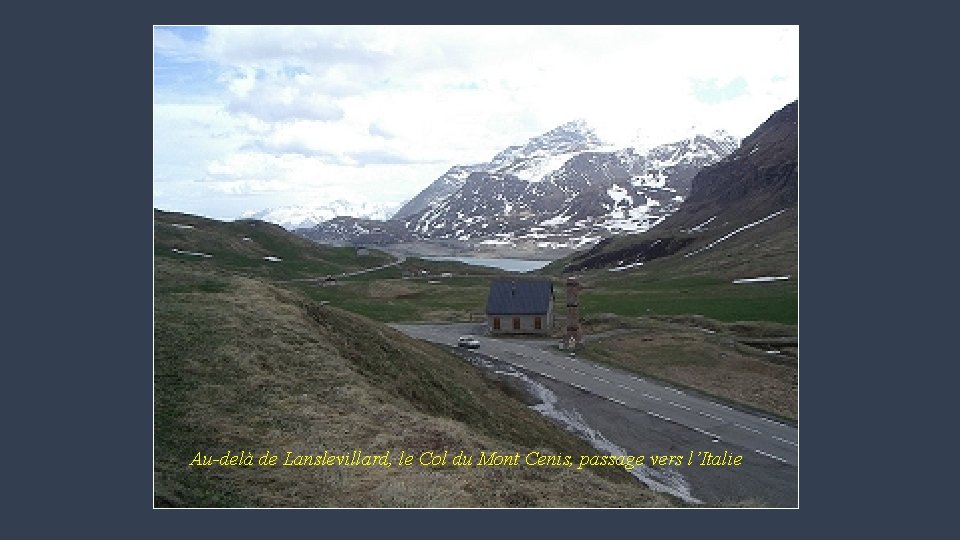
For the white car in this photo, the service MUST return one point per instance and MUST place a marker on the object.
(469, 342)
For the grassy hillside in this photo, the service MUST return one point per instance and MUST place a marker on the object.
(241, 246)
(751, 364)
(701, 284)
(768, 248)
(242, 363)
(651, 293)
(416, 299)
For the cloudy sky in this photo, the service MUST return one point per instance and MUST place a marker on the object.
(247, 118)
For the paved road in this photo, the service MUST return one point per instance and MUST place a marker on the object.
(349, 274)
(716, 421)
(365, 270)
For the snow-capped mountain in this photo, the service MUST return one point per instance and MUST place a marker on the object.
(562, 189)
(344, 230)
(298, 217)
(438, 190)
(531, 162)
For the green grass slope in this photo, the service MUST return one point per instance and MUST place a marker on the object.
(244, 363)
(241, 247)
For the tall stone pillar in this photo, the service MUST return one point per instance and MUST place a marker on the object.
(574, 336)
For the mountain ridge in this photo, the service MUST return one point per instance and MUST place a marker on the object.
(563, 189)
(305, 216)
(748, 197)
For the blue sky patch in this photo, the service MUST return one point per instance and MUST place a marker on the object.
(708, 91)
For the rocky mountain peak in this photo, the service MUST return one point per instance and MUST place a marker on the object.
(573, 136)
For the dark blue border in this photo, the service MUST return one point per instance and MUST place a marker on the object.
(86, 110)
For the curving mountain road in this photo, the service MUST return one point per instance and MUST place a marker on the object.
(716, 421)
(397, 262)
(400, 259)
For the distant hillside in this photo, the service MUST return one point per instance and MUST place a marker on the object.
(740, 215)
(305, 216)
(345, 231)
(253, 248)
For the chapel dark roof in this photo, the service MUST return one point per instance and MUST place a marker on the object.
(519, 297)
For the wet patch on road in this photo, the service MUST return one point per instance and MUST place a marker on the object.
(616, 429)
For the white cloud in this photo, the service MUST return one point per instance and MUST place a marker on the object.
(272, 102)
(186, 137)
(377, 113)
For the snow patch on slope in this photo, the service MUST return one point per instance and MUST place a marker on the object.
(625, 267)
(619, 194)
(728, 235)
(191, 253)
(760, 279)
(537, 168)
(700, 227)
(557, 220)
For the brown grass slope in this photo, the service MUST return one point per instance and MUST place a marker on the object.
(244, 365)
(728, 361)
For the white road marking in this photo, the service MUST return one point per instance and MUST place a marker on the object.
(705, 432)
(708, 415)
(636, 378)
(603, 368)
(786, 441)
(601, 379)
(626, 388)
(684, 407)
(660, 416)
(651, 397)
(773, 422)
(721, 406)
(741, 426)
(675, 390)
(780, 459)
